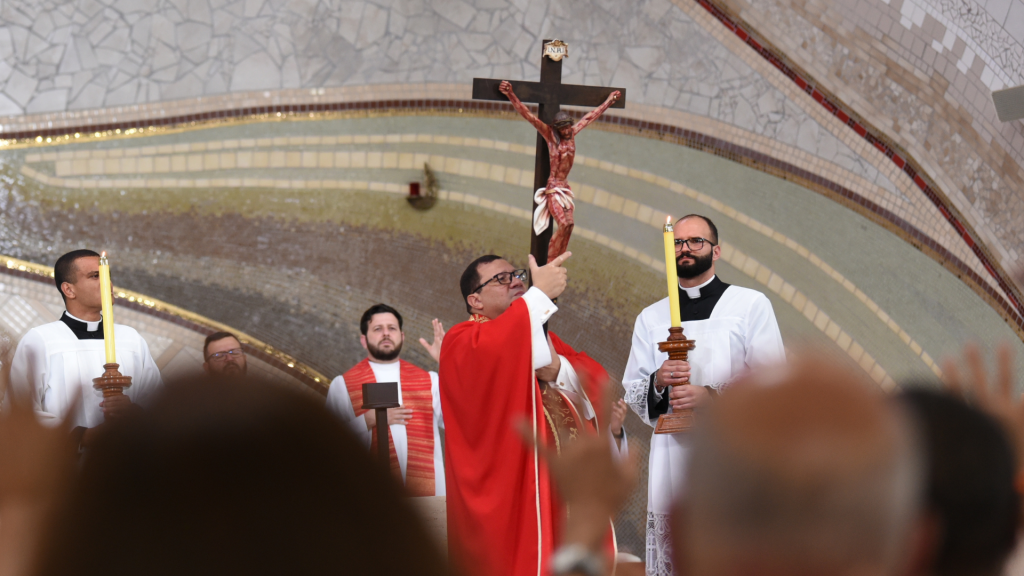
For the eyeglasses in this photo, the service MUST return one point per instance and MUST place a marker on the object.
(504, 278)
(695, 244)
(221, 356)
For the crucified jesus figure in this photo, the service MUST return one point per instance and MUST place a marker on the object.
(556, 198)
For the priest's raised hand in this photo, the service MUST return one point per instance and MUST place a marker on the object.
(551, 278)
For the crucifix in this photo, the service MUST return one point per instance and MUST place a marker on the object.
(555, 139)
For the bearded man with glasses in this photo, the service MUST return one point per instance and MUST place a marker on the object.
(414, 442)
(735, 330)
(223, 356)
(499, 370)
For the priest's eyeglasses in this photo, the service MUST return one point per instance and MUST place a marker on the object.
(221, 356)
(695, 244)
(504, 278)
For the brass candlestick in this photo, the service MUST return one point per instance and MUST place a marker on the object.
(112, 382)
(678, 348)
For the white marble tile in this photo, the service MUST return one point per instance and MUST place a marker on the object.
(1015, 20)
(50, 101)
(257, 72)
(20, 87)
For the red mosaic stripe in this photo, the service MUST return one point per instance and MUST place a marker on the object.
(907, 165)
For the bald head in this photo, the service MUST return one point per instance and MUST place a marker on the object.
(813, 473)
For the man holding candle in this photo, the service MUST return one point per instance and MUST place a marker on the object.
(56, 362)
(734, 330)
(499, 370)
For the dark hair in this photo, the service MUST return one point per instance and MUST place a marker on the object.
(66, 271)
(970, 483)
(240, 478)
(213, 338)
(364, 322)
(471, 277)
(711, 225)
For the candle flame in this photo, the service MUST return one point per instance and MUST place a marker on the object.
(668, 223)
(103, 254)
(668, 219)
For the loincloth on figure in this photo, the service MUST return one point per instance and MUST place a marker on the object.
(554, 203)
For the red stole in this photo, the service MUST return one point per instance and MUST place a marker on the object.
(416, 394)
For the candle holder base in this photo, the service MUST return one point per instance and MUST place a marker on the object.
(112, 382)
(675, 423)
(678, 348)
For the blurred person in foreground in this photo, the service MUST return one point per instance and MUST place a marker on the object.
(223, 356)
(805, 469)
(801, 470)
(244, 478)
(37, 463)
(970, 493)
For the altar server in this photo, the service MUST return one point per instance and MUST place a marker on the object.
(734, 329)
(415, 438)
(57, 362)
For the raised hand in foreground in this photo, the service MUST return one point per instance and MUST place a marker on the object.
(592, 481)
(36, 464)
(999, 400)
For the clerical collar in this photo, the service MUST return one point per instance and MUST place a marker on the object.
(694, 293)
(701, 307)
(82, 329)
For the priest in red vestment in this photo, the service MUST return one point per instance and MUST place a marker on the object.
(496, 370)
(414, 440)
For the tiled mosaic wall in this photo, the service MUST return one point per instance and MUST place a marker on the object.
(75, 64)
(922, 71)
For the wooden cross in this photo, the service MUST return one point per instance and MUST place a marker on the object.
(549, 94)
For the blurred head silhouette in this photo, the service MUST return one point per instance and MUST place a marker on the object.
(970, 484)
(803, 469)
(241, 478)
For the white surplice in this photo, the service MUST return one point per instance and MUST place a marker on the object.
(58, 367)
(340, 403)
(741, 333)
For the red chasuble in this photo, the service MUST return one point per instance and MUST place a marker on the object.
(416, 394)
(503, 513)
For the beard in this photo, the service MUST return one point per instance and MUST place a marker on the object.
(233, 370)
(700, 265)
(384, 355)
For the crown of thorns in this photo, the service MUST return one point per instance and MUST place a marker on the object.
(562, 119)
